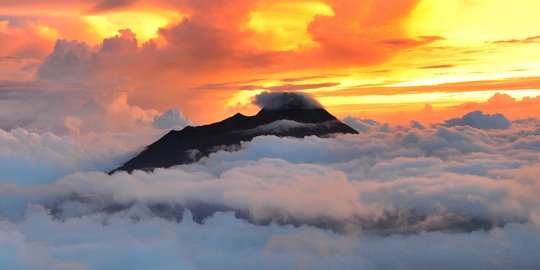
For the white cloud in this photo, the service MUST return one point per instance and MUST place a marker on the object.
(66, 112)
(361, 125)
(69, 60)
(402, 197)
(282, 126)
(32, 158)
(171, 119)
(224, 242)
(478, 119)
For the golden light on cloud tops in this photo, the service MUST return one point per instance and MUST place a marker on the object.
(283, 25)
(144, 24)
(352, 55)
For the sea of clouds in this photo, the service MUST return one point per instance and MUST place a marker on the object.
(463, 194)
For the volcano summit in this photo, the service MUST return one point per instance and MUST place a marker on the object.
(283, 114)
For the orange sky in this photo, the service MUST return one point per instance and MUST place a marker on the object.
(373, 59)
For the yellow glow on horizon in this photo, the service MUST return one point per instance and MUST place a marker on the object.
(475, 21)
(433, 98)
(242, 98)
(421, 73)
(283, 25)
(144, 24)
(470, 29)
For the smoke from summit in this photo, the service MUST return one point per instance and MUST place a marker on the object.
(285, 100)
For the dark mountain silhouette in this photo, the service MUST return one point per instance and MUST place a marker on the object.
(294, 116)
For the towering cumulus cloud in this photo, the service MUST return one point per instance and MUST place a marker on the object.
(69, 59)
(285, 100)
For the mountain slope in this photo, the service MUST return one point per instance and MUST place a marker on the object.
(192, 143)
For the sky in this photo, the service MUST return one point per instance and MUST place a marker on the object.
(443, 173)
(385, 60)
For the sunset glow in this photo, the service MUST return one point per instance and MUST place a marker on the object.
(282, 26)
(345, 47)
(144, 24)
(270, 134)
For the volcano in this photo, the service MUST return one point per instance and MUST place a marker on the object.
(283, 114)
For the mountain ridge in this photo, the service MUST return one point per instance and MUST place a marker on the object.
(192, 143)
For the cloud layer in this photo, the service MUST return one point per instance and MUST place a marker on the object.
(477, 119)
(391, 196)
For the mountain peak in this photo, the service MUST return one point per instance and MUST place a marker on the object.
(286, 101)
(282, 114)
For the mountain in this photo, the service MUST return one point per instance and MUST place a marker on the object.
(283, 115)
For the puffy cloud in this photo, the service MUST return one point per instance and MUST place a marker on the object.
(125, 42)
(64, 112)
(399, 158)
(416, 124)
(219, 32)
(282, 126)
(361, 125)
(213, 41)
(171, 119)
(285, 100)
(17, 253)
(117, 58)
(29, 158)
(214, 36)
(375, 25)
(372, 189)
(69, 59)
(478, 119)
(151, 242)
(510, 107)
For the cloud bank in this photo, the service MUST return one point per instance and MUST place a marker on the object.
(478, 119)
(389, 197)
